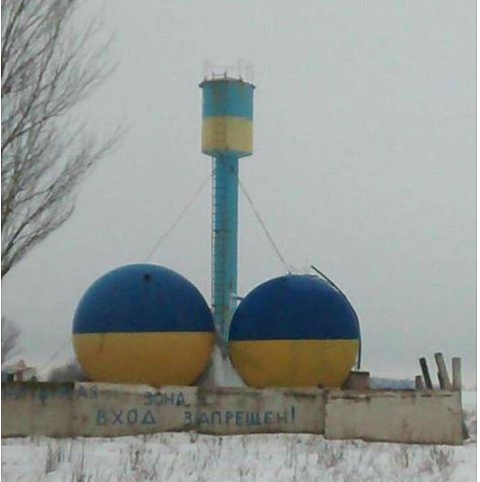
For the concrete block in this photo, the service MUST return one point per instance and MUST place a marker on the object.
(107, 410)
(116, 410)
(34, 409)
(357, 380)
(94, 410)
(428, 417)
(228, 411)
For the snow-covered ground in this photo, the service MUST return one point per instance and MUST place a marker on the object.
(190, 457)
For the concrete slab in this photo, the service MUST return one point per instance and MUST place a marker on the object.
(112, 411)
(33, 409)
(428, 417)
(94, 410)
(229, 411)
(107, 410)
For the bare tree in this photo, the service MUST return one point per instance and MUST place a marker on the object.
(10, 335)
(70, 372)
(49, 64)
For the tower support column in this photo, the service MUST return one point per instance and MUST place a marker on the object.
(225, 241)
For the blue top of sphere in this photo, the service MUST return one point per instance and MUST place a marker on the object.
(142, 298)
(294, 307)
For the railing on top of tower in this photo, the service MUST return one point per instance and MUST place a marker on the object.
(241, 70)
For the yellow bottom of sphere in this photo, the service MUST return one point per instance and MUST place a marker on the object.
(156, 359)
(294, 363)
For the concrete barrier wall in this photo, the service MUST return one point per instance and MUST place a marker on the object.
(94, 410)
(105, 410)
(25, 410)
(429, 417)
(228, 411)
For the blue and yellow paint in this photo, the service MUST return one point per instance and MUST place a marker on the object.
(143, 324)
(227, 127)
(294, 331)
(227, 135)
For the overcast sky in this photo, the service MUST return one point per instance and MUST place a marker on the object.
(364, 166)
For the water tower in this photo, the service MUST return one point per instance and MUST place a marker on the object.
(227, 135)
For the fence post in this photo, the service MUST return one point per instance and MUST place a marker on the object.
(443, 373)
(419, 385)
(441, 383)
(457, 386)
(426, 375)
(457, 374)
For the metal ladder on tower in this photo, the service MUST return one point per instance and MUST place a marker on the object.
(218, 271)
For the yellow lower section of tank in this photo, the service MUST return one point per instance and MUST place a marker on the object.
(294, 363)
(167, 358)
(223, 134)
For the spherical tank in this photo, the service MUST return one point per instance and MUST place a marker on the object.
(292, 331)
(143, 324)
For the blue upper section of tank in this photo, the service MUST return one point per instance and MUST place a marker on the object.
(227, 97)
(294, 307)
(142, 298)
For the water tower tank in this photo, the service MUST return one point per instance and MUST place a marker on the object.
(294, 331)
(227, 125)
(143, 324)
